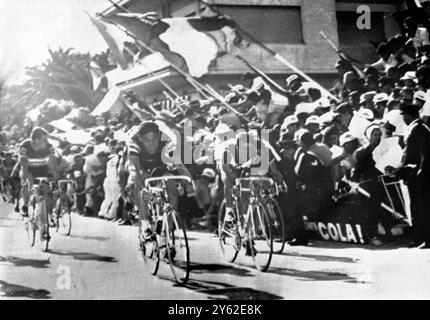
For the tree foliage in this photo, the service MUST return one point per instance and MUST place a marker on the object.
(65, 75)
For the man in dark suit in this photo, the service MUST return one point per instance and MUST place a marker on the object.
(416, 172)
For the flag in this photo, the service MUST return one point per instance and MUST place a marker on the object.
(193, 42)
(110, 103)
(114, 39)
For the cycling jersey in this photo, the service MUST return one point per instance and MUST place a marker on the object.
(148, 162)
(37, 160)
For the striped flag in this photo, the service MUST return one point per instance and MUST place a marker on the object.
(195, 42)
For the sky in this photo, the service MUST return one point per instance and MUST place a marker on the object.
(29, 27)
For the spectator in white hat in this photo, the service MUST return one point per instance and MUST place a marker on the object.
(313, 124)
(289, 127)
(419, 98)
(409, 79)
(380, 102)
(348, 144)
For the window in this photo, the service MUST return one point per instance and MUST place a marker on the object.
(349, 34)
(270, 24)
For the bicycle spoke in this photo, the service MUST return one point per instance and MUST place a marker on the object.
(260, 241)
(177, 248)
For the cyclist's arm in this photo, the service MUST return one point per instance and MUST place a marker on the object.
(137, 170)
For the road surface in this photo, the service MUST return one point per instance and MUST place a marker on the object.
(100, 260)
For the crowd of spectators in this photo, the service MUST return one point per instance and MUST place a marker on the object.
(346, 139)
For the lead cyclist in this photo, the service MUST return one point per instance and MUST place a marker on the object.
(146, 151)
(37, 159)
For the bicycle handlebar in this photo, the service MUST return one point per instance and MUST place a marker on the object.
(239, 181)
(148, 181)
(65, 181)
(255, 179)
(39, 180)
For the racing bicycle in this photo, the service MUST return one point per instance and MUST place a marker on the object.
(253, 229)
(38, 215)
(169, 239)
(63, 214)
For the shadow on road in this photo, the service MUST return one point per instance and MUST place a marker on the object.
(20, 262)
(201, 268)
(84, 256)
(323, 258)
(90, 237)
(16, 291)
(312, 275)
(224, 291)
(337, 245)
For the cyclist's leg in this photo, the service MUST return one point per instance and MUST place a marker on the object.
(172, 192)
(142, 205)
(25, 190)
(43, 222)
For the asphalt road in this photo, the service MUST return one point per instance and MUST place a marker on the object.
(100, 260)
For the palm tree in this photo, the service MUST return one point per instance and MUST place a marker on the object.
(65, 75)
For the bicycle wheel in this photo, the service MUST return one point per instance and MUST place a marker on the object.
(278, 226)
(42, 211)
(259, 240)
(30, 223)
(177, 248)
(228, 234)
(150, 251)
(64, 218)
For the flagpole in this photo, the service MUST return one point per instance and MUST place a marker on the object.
(262, 74)
(275, 54)
(341, 54)
(222, 100)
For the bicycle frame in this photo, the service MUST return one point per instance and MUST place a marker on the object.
(170, 221)
(256, 196)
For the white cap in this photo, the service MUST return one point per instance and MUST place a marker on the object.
(222, 128)
(208, 172)
(305, 107)
(299, 134)
(291, 78)
(380, 97)
(345, 138)
(420, 95)
(410, 75)
(289, 120)
(312, 120)
(366, 114)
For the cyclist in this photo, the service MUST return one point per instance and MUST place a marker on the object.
(146, 152)
(37, 159)
(9, 181)
(244, 153)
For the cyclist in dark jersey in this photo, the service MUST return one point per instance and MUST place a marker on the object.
(37, 159)
(146, 152)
